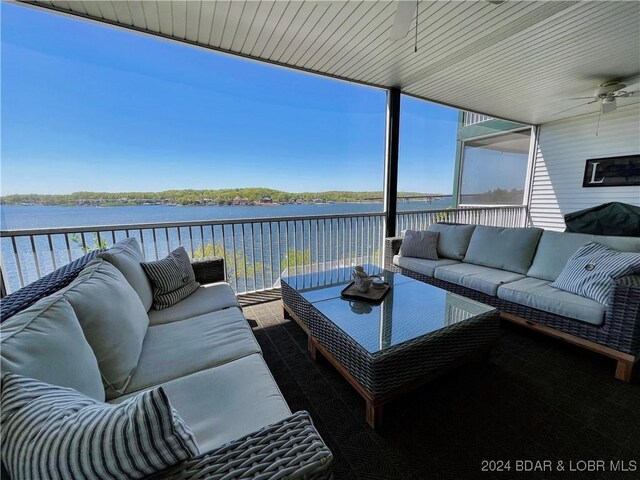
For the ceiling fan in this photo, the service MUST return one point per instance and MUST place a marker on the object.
(402, 19)
(405, 13)
(607, 95)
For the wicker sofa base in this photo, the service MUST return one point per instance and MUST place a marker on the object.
(289, 450)
(617, 340)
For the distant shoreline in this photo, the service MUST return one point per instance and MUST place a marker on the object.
(249, 204)
(223, 197)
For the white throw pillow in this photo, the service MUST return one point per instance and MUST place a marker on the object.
(590, 271)
(45, 342)
(113, 320)
(420, 244)
(126, 256)
(55, 432)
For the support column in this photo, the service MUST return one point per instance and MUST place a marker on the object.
(391, 161)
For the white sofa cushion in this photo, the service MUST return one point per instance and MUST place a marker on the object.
(206, 299)
(45, 342)
(126, 256)
(226, 402)
(503, 247)
(55, 432)
(421, 265)
(476, 277)
(453, 240)
(179, 348)
(113, 320)
(537, 293)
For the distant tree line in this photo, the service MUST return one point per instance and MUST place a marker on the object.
(498, 196)
(190, 197)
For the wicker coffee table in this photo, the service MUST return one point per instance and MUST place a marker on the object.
(417, 333)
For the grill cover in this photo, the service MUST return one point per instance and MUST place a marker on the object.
(614, 218)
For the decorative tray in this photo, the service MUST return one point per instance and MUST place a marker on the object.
(376, 292)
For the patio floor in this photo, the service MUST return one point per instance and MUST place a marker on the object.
(536, 399)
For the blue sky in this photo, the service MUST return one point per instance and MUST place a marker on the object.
(90, 107)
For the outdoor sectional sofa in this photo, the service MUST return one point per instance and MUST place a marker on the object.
(203, 353)
(512, 269)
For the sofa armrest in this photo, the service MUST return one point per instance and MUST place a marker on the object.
(623, 314)
(290, 449)
(391, 248)
(209, 270)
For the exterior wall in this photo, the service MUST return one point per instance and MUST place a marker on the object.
(563, 148)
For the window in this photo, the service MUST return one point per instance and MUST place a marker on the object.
(427, 155)
(494, 169)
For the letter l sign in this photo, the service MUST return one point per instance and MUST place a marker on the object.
(594, 167)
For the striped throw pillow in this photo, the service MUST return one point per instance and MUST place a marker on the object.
(172, 278)
(591, 270)
(56, 432)
(420, 244)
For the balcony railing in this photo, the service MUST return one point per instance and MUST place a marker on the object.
(470, 118)
(256, 251)
(503, 216)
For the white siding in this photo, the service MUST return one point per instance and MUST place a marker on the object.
(560, 161)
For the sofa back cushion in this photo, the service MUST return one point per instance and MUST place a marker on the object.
(113, 320)
(556, 248)
(45, 342)
(453, 240)
(504, 248)
(126, 256)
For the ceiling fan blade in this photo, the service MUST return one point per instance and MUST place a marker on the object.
(632, 80)
(402, 19)
(581, 98)
(608, 107)
(575, 106)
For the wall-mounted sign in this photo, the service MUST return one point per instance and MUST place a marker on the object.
(612, 172)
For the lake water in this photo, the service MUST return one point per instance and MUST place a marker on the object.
(256, 253)
(21, 217)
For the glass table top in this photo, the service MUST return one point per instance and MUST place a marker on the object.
(411, 309)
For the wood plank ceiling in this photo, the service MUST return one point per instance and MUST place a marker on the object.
(520, 60)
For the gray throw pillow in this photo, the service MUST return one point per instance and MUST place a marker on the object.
(420, 244)
(172, 278)
(56, 432)
(591, 270)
